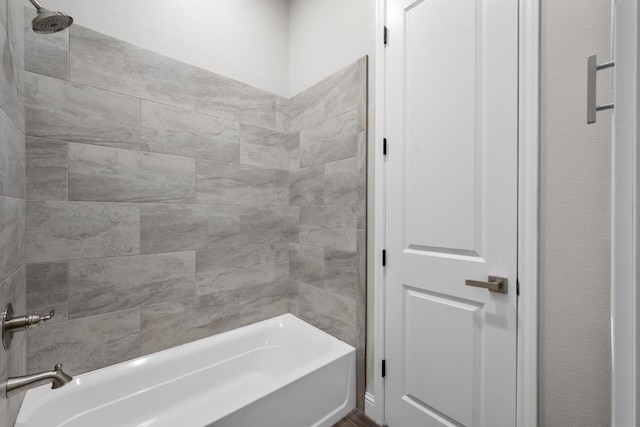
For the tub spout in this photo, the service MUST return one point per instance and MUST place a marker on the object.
(57, 378)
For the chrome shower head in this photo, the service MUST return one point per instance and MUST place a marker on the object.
(48, 22)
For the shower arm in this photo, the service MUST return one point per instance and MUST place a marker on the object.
(35, 4)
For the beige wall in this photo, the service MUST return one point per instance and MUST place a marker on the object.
(575, 355)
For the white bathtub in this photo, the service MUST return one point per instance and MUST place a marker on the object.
(281, 372)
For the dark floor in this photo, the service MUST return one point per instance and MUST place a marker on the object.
(355, 419)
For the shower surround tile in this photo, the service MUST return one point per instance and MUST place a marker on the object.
(12, 80)
(58, 231)
(342, 182)
(261, 302)
(47, 55)
(169, 227)
(264, 147)
(188, 320)
(333, 139)
(105, 62)
(12, 158)
(329, 226)
(57, 109)
(12, 236)
(107, 174)
(85, 344)
(104, 285)
(234, 184)
(307, 186)
(47, 289)
(229, 269)
(181, 132)
(46, 169)
(307, 264)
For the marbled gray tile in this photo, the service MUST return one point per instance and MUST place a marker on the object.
(12, 236)
(294, 224)
(104, 285)
(362, 267)
(264, 147)
(333, 139)
(348, 91)
(108, 174)
(218, 95)
(308, 107)
(307, 186)
(15, 29)
(47, 289)
(231, 183)
(362, 180)
(47, 55)
(46, 169)
(332, 313)
(108, 63)
(59, 231)
(294, 303)
(265, 224)
(182, 132)
(85, 344)
(228, 269)
(281, 187)
(71, 112)
(283, 121)
(3, 15)
(307, 264)
(260, 302)
(342, 182)
(13, 362)
(329, 227)
(12, 81)
(294, 151)
(341, 273)
(178, 322)
(12, 158)
(169, 227)
(257, 107)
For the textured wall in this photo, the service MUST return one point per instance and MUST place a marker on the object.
(164, 202)
(12, 193)
(575, 199)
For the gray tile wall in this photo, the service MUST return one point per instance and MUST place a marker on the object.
(12, 193)
(167, 203)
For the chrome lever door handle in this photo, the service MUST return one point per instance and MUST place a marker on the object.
(495, 284)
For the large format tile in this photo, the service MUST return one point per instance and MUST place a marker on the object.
(47, 289)
(47, 55)
(178, 322)
(108, 63)
(348, 91)
(59, 231)
(3, 15)
(85, 344)
(169, 227)
(230, 99)
(307, 108)
(332, 313)
(333, 139)
(283, 120)
(307, 264)
(342, 182)
(12, 158)
(12, 236)
(307, 186)
(71, 112)
(265, 224)
(12, 81)
(264, 147)
(104, 285)
(112, 174)
(182, 132)
(329, 227)
(228, 269)
(231, 183)
(260, 302)
(47, 162)
(342, 273)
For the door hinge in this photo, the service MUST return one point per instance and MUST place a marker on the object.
(384, 257)
(384, 146)
(386, 36)
(517, 287)
(384, 368)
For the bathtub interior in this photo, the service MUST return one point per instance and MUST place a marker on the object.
(222, 373)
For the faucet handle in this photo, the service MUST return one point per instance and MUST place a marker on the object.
(48, 317)
(11, 324)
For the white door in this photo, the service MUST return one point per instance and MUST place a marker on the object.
(451, 91)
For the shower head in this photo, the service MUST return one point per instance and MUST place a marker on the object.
(47, 21)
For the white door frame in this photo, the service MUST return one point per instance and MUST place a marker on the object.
(528, 218)
(624, 216)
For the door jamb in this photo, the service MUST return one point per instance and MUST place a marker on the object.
(528, 216)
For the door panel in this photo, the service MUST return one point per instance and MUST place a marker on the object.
(451, 209)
